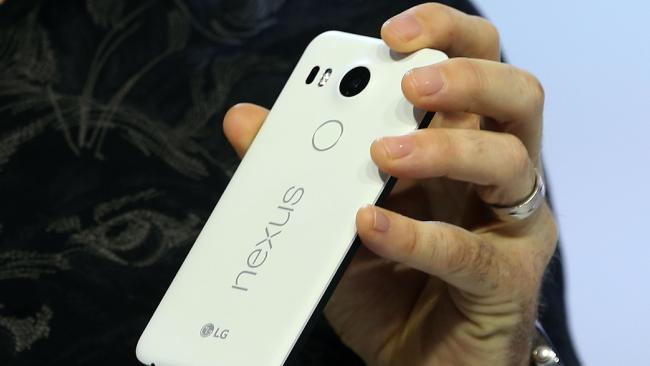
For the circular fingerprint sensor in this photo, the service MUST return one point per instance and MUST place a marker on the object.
(327, 135)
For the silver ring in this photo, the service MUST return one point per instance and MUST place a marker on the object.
(527, 207)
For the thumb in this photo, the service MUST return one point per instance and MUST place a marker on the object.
(241, 123)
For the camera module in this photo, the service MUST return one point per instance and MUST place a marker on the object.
(354, 81)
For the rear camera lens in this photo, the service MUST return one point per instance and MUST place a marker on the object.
(354, 81)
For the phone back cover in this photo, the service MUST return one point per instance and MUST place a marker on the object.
(286, 220)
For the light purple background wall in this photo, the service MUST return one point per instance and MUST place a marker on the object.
(594, 60)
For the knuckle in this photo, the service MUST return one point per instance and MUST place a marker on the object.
(517, 167)
(492, 33)
(444, 152)
(534, 90)
(474, 82)
(434, 242)
(445, 21)
(435, 8)
(479, 144)
(492, 37)
(518, 155)
(413, 240)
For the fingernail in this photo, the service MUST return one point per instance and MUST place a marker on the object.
(405, 26)
(426, 80)
(398, 146)
(381, 222)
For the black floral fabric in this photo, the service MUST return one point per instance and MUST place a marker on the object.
(112, 157)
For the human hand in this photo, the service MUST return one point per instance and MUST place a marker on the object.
(439, 281)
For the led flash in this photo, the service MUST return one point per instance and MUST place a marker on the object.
(325, 77)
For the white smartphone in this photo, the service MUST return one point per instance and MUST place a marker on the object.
(281, 234)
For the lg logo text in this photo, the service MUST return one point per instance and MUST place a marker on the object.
(209, 330)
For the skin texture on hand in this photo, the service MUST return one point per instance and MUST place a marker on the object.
(438, 280)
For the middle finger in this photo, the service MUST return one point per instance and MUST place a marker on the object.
(510, 96)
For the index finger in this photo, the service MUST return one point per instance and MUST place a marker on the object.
(438, 26)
